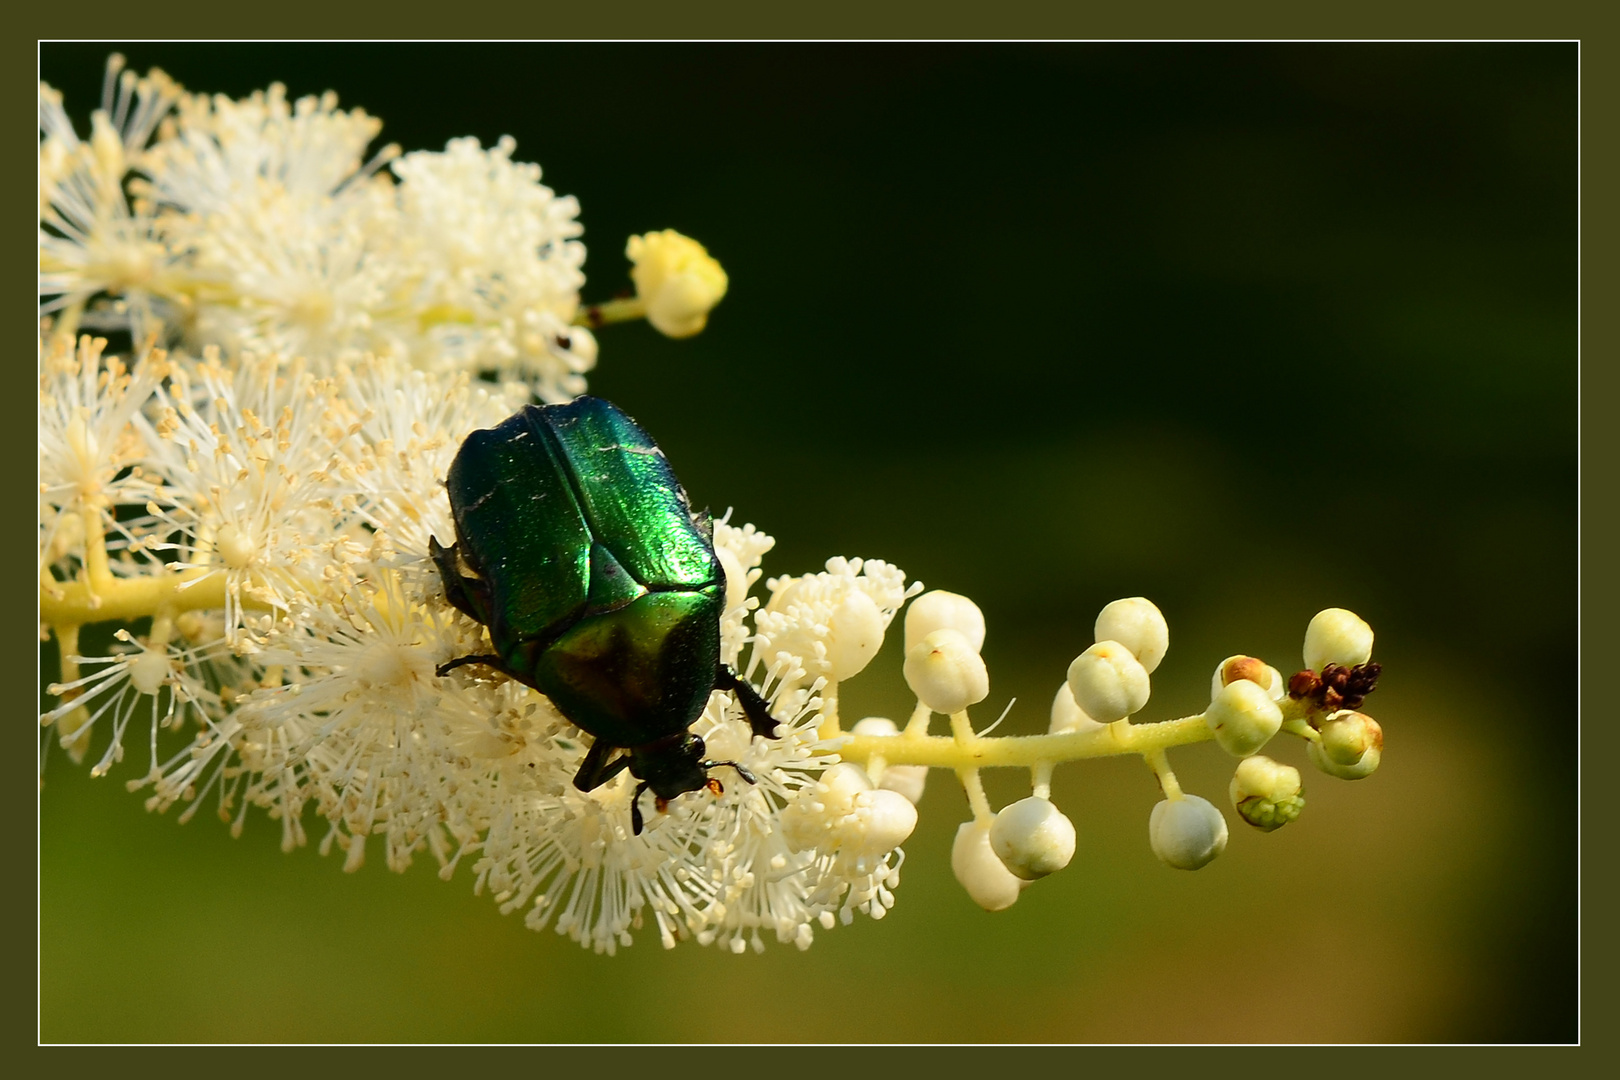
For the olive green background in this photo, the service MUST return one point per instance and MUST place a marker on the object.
(1248, 329)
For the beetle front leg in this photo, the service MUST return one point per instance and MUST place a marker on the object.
(469, 595)
(754, 707)
(596, 770)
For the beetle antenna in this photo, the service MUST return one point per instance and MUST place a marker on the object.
(741, 771)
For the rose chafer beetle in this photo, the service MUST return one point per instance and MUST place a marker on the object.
(578, 549)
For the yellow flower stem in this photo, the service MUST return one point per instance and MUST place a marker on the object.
(71, 603)
(1301, 727)
(1040, 780)
(962, 735)
(1160, 765)
(918, 724)
(829, 728)
(625, 310)
(968, 751)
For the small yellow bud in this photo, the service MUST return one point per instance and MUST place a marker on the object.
(1108, 682)
(1351, 746)
(1266, 793)
(1337, 636)
(1243, 718)
(677, 280)
(945, 673)
(1139, 626)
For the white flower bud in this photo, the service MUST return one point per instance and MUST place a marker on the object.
(1139, 626)
(1108, 682)
(1337, 636)
(677, 280)
(1032, 838)
(908, 780)
(1187, 832)
(1067, 716)
(1266, 793)
(946, 673)
(855, 635)
(941, 610)
(1351, 746)
(1259, 672)
(1243, 718)
(985, 877)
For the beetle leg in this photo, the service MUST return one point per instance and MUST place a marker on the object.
(469, 595)
(596, 770)
(635, 809)
(754, 706)
(486, 659)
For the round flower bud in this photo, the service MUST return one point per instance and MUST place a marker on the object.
(1266, 793)
(908, 780)
(235, 548)
(1067, 716)
(946, 673)
(1032, 838)
(941, 610)
(1138, 625)
(676, 279)
(1187, 832)
(1108, 682)
(1337, 636)
(1351, 746)
(1243, 718)
(1259, 672)
(985, 877)
(856, 634)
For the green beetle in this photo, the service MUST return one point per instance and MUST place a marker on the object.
(579, 551)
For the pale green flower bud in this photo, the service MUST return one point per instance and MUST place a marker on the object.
(1266, 793)
(946, 673)
(941, 610)
(1337, 636)
(1259, 672)
(1243, 717)
(1139, 626)
(1067, 716)
(985, 877)
(1187, 832)
(1351, 746)
(677, 280)
(908, 780)
(1032, 838)
(1108, 682)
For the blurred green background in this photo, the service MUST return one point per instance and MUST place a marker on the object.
(1248, 329)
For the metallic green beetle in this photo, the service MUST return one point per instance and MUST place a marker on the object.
(577, 548)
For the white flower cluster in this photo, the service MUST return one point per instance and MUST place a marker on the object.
(262, 225)
(305, 501)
